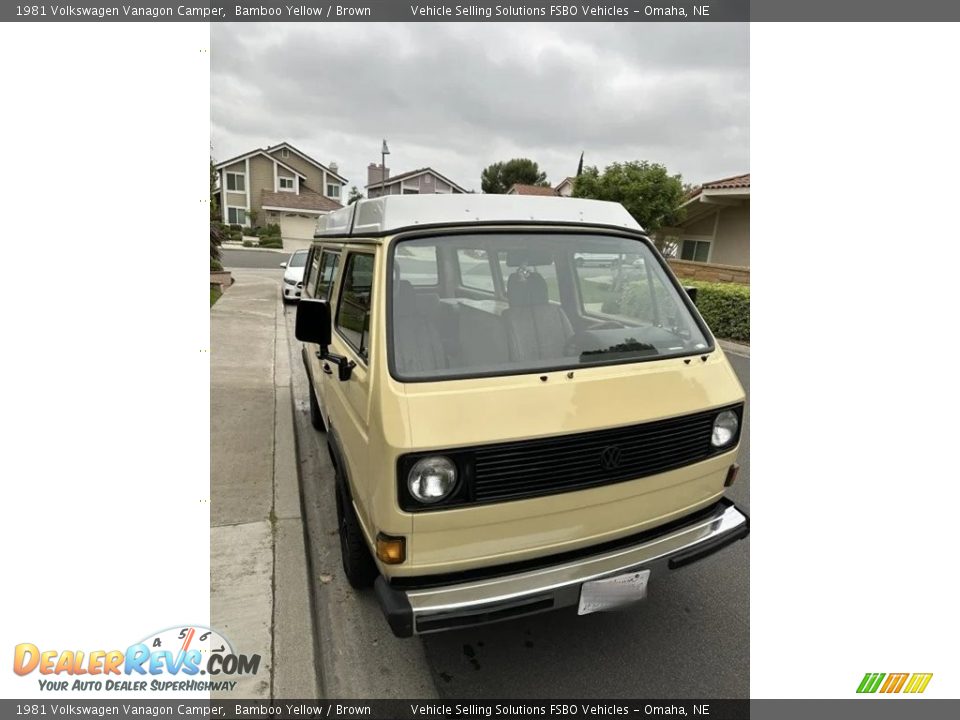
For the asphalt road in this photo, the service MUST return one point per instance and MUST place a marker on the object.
(690, 638)
(268, 259)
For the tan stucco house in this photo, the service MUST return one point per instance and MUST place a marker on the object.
(717, 224)
(280, 185)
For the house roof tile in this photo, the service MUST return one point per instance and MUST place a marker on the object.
(737, 182)
(521, 189)
(307, 199)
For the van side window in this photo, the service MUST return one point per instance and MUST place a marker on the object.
(353, 310)
(418, 265)
(475, 269)
(328, 269)
(313, 263)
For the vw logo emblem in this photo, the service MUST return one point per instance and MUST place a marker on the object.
(610, 457)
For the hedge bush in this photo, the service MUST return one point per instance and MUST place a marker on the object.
(215, 265)
(248, 243)
(725, 307)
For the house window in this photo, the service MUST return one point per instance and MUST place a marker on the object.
(236, 182)
(696, 250)
(333, 190)
(284, 153)
(286, 183)
(411, 191)
(236, 216)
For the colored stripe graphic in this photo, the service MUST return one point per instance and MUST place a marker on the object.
(870, 682)
(894, 682)
(918, 682)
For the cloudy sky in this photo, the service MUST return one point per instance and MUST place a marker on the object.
(459, 96)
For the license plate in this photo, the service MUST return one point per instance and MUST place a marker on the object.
(614, 592)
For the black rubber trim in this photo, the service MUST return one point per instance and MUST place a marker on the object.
(396, 608)
(431, 581)
(709, 548)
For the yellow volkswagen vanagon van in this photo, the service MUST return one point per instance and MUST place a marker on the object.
(524, 408)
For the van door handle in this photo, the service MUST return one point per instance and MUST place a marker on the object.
(327, 369)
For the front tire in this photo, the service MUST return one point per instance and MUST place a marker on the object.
(316, 417)
(358, 564)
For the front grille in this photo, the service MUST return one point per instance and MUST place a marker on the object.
(530, 468)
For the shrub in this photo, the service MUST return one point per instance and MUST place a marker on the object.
(215, 265)
(725, 307)
(236, 226)
(217, 237)
(271, 242)
(248, 243)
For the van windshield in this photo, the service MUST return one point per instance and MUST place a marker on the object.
(508, 303)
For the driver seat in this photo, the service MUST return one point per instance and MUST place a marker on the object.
(536, 328)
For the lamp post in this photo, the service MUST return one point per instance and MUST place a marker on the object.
(384, 151)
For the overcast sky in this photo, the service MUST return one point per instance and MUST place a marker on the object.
(459, 96)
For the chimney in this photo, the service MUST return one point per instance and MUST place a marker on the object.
(334, 168)
(376, 173)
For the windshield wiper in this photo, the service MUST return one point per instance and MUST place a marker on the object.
(630, 345)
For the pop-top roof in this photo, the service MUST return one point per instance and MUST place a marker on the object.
(382, 215)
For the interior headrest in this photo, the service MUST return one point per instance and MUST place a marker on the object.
(525, 289)
(528, 256)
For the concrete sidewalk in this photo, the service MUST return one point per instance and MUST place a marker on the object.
(259, 593)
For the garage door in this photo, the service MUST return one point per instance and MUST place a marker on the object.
(298, 227)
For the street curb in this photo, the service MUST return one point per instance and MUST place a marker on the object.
(735, 348)
(231, 246)
(293, 632)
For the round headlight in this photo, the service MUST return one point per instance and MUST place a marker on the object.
(724, 428)
(431, 479)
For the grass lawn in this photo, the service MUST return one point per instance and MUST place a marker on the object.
(214, 294)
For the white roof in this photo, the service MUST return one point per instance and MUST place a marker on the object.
(394, 212)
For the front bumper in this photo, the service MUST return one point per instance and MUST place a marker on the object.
(427, 604)
(292, 292)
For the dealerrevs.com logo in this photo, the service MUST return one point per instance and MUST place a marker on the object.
(182, 659)
(894, 683)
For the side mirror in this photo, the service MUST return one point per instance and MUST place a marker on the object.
(692, 292)
(283, 264)
(313, 322)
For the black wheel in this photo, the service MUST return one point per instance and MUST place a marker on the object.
(316, 419)
(358, 564)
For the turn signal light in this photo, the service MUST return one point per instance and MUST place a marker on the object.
(732, 474)
(391, 550)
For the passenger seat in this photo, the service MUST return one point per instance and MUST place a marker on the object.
(537, 328)
(417, 344)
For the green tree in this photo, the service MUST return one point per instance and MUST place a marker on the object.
(501, 176)
(214, 205)
(646, 190)
(216, 227)
(355, 195)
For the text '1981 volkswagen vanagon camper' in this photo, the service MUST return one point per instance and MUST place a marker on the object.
(524, 408)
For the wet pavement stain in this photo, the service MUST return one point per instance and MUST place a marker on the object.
(472, 655)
